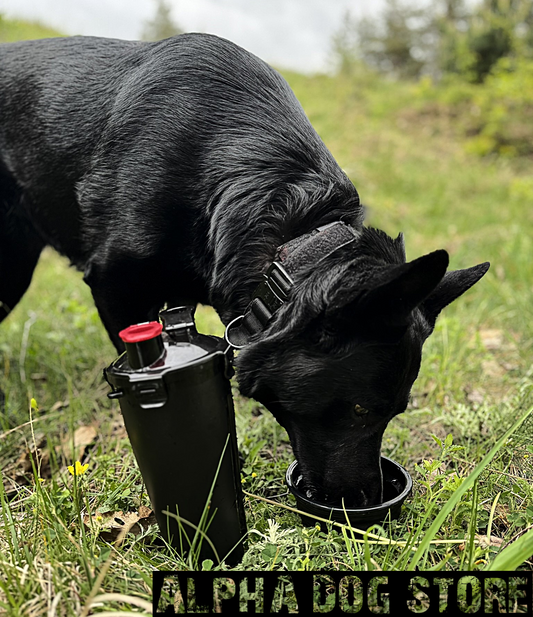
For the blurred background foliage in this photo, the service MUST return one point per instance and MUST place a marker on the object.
(162, 25)
(12, 30)
(447, 37)
(473, 63)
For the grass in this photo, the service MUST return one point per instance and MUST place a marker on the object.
(12, 30)
(466, 438)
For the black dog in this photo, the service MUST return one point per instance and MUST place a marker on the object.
(171, 172)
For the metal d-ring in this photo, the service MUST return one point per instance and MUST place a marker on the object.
(238, 320)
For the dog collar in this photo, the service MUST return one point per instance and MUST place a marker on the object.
(280, 277)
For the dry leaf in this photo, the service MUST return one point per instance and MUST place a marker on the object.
(491, 368)
(509, 366)
(38, 377)
(482, 542)
(475, 396)
(84, 436)
(59, 405)
(146, 513)
(494, 541)
(491, 339)
(37, 453)
(110, 524)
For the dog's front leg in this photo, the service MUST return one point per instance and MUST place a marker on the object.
(125, 292)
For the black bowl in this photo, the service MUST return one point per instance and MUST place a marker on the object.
(397, 485)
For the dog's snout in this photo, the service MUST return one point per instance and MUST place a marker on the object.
(348, 497)
(371, 497)
(362, 498)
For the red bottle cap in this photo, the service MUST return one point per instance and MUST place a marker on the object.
(141, 332)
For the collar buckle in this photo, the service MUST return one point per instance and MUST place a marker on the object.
(274, 289)
(277, 283)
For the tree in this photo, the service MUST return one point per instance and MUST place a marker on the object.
(494, 29)
(445, 37)
(344, 45)
(162, 25)
(397, 42)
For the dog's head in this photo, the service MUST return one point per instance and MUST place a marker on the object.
(338, 360)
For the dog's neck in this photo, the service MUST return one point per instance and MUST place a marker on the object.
(291, 258)
(313, 247)
(249, 219)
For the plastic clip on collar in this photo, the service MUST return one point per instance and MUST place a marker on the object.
(268, 296)
(274, 290)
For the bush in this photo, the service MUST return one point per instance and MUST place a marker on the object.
(495, 117)
(505, 110)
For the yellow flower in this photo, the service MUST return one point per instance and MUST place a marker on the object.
(78, 469)
(33, 405)
(254, 475)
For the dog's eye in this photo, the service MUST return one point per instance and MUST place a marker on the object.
(360, 411)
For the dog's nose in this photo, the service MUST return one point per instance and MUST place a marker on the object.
(343, 489)
(354, 498)
(373, 495)
(363, 501)
(365, 497)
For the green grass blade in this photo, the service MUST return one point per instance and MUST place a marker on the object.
(465, 486)
(472, 528)
(203, 525)
(513, 555)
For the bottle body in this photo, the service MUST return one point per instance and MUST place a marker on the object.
(180, 420)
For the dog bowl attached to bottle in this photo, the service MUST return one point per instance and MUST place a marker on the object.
(397, 484)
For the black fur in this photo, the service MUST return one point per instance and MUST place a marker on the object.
(170, 172)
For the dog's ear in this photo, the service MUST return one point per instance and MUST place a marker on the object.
(454, 284)
(380, 311)
(402, 289)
